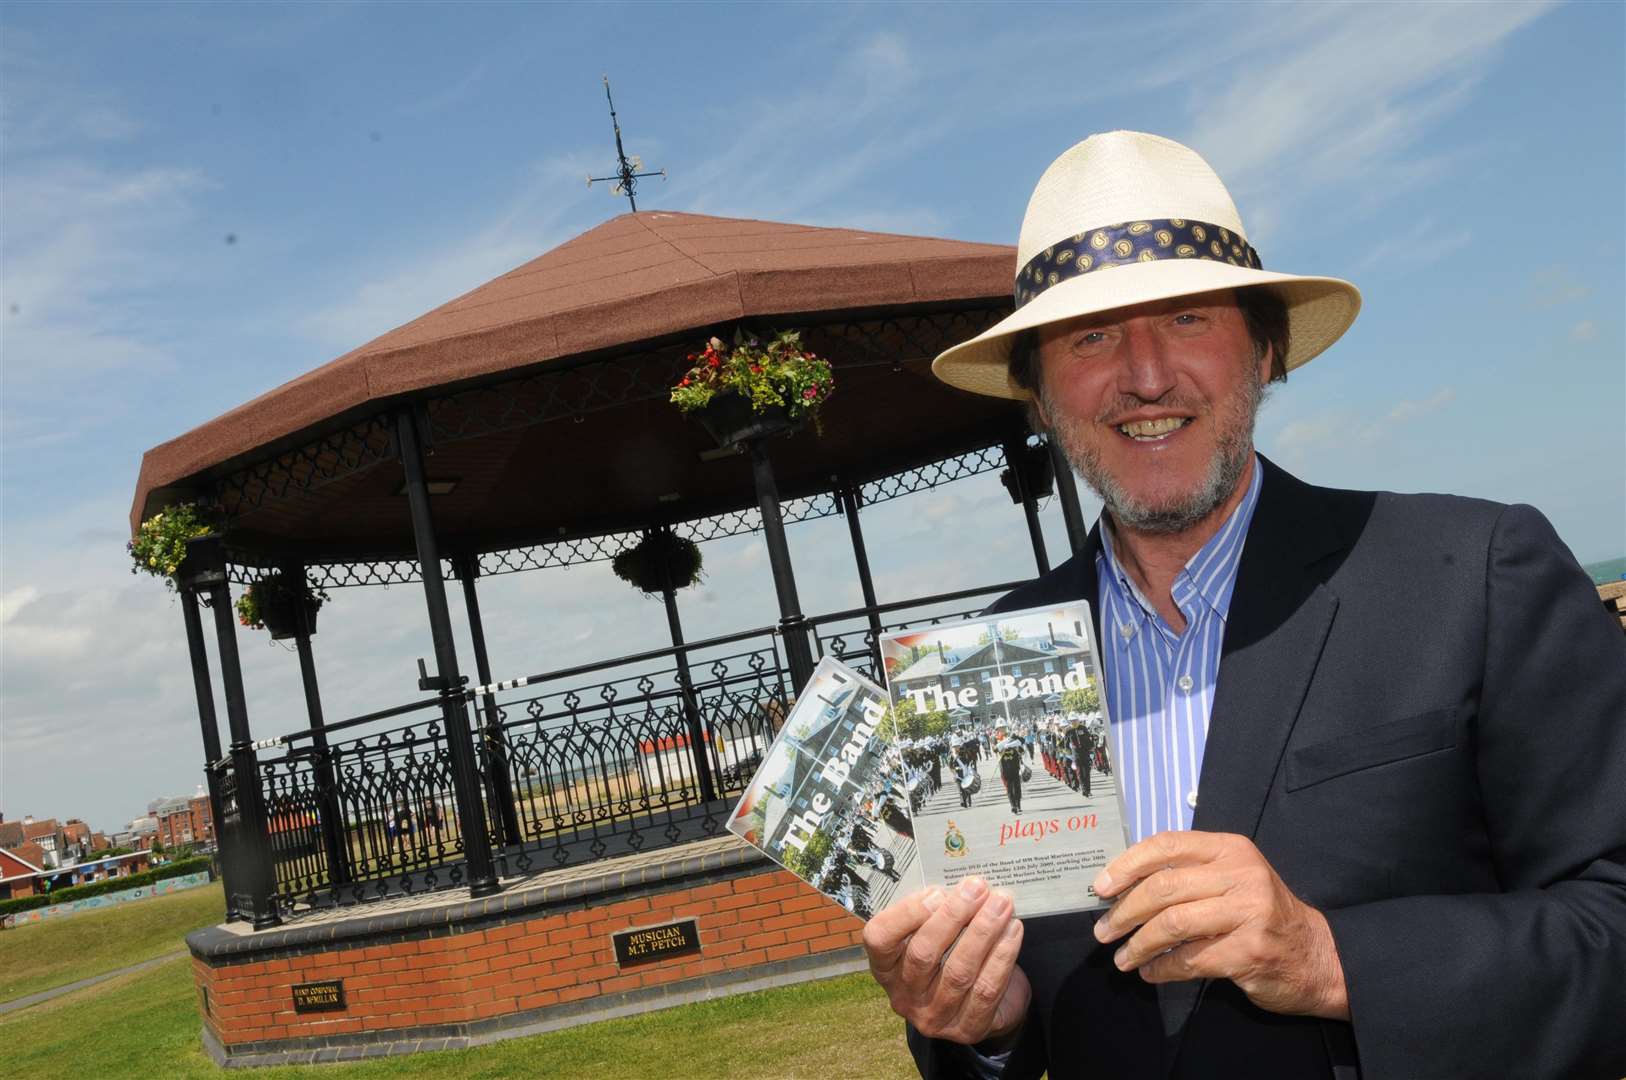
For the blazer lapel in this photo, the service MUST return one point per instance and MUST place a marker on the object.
(1279, 618)
(1277, 624)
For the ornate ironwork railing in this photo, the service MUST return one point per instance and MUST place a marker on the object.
(614, 768)
(599, 760)
(574, 551)
(367, 816)
(849, 636)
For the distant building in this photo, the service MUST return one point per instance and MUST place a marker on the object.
(18, 872)
(48, 835)
(183, 819)
(76, 838)
(22, 876)
(140, 833)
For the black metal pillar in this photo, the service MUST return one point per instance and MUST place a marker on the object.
(256, 876)
(1015, 450)
(792, 625)
(699, 747)
(1067, 492)
(849, 506)
(335, 830)
(211, 733)
(459, 741)
(493, 745)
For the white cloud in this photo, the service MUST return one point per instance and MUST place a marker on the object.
(1343, 431)
(1345, 95)
(1424, 243)
(1554, 286)
(1584, 331)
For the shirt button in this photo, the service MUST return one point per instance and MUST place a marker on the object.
(1185, 683)
(1126, 630)
(1191, 799)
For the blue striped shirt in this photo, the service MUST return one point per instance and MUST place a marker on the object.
(1160, 684)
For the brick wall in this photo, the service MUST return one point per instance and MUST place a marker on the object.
(524, 965)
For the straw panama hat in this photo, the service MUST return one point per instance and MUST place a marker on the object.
(1124, 218)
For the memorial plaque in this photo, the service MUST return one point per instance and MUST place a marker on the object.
(656, 942)
(324, 996)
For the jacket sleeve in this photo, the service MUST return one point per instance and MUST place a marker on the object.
(938, 1059)
(1530, 981)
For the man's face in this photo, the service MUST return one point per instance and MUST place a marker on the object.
(1154, 405)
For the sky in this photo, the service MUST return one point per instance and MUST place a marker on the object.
(200, 202)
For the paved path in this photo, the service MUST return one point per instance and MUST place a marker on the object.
(58, 991)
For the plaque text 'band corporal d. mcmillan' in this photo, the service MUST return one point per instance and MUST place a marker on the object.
(324, 996)
(656, 942)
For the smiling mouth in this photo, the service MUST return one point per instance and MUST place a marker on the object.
(1152, 430)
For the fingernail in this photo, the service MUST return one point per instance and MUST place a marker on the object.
(973, 887)
(1103, 882)
(1103, 929)
(1120, 956)
(998, 903)
(1013, 928)
(933, 899)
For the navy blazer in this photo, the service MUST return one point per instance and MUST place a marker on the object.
(1420, 720)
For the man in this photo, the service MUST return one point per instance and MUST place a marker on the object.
(1372, 746)
(1083, 744)
(1009, 749)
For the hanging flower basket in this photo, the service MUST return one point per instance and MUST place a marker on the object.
(272, 603)
(1037, 471)
(731, 420)
(754, 389)
(181, 545)
(656, 559)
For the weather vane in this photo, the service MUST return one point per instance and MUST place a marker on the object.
(626, 178)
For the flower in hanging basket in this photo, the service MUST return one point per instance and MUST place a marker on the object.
(159, 545)
(777, 374)
(272, 603)
(659, 557)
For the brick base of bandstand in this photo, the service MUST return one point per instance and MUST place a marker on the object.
(442, 971)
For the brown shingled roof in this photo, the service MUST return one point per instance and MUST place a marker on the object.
(633, 282)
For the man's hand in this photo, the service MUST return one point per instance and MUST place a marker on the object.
(975, 993)
(1208, 906)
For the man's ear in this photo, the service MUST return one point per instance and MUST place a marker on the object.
(1267, 361)
(1038, 419)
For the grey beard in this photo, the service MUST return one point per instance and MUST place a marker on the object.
(1225, 470)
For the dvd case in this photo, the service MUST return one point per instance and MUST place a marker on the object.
(831, 800)
(1004, 716)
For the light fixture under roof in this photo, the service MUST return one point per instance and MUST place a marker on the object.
(436, 487)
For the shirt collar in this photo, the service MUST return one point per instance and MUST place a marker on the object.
(1209, 574)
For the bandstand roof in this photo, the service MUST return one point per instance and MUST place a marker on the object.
(545, 391)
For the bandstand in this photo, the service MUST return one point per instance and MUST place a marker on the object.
(457, 861)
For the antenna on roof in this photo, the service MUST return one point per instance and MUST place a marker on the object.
(627, 176)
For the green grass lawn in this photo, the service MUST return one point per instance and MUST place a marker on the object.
(834, 1028)
(59, 951)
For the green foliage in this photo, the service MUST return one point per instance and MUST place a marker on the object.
(779, 373)
(274, 588)
(108, 885)
(159, 545)
(1006, 633)
(806, 862)
(641, 564)
(910, 723)
(1084, 700)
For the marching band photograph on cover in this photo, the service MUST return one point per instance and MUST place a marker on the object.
(830, 802)
(1005, 739)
